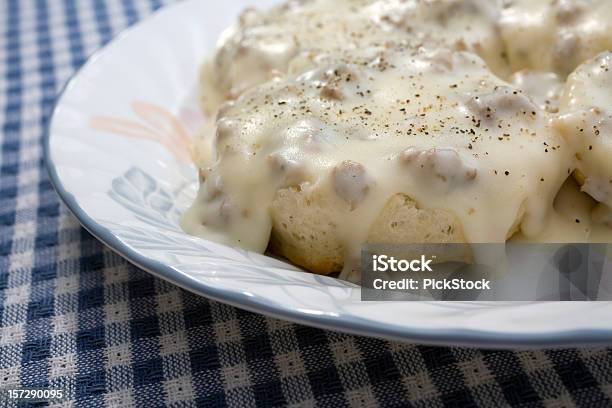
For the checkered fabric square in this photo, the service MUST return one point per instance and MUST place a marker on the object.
(76, 317)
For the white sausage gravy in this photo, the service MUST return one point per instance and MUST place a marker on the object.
(446, 101)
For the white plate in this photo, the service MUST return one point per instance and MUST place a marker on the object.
(116, 154)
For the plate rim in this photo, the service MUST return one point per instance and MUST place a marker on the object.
(258, 304)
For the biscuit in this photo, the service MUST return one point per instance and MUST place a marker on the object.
(318, 164)
(305, 229)
(264, 45)
(586, 122)
(555, 36)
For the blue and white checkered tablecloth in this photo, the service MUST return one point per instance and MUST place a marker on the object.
(76, 317)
